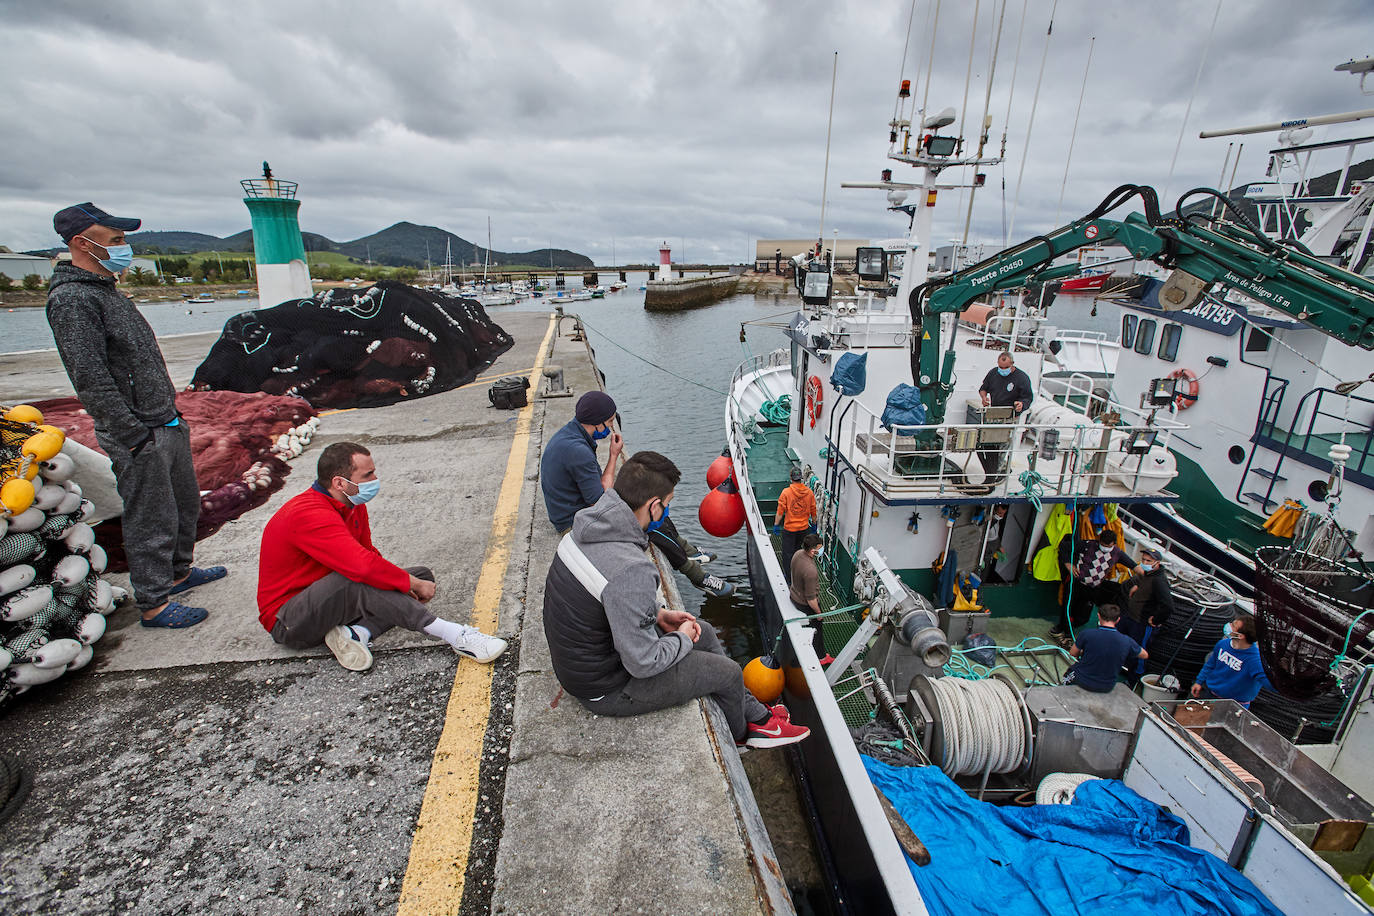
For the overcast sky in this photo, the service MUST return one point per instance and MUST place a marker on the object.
(580, 125)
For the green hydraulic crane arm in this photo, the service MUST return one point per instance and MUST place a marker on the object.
(1218, 257)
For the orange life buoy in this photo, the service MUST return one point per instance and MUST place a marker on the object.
(815, 396)
(1188, 396)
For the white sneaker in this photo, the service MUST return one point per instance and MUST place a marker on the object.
(477, 645)
(351, 652)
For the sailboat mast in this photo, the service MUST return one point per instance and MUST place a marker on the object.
(487, 262)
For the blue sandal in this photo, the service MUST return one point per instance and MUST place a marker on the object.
(198, 576)
(176, 616)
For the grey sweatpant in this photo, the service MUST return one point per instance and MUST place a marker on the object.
(161, 506)
(706, 672)
(337, 600)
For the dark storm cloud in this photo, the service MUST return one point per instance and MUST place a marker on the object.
(573, 124)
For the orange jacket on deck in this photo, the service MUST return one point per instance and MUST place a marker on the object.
(797, 504)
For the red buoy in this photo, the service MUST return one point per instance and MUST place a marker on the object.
(722, 511)
(720, 470)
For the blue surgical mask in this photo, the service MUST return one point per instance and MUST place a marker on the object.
(601, 433)
(1227, 632)
(654, 525)
(366, 490)
(1004, 372)
(117, 257)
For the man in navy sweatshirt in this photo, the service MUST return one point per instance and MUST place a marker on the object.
(117, 370)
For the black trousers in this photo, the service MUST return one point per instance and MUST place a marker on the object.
(1078, 607)
(791, 543)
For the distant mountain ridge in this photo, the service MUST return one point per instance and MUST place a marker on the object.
(400, 245)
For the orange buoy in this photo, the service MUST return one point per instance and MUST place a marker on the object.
(764, 679)
(719, 471)
(721, 512)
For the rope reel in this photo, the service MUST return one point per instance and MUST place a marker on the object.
(979, 726)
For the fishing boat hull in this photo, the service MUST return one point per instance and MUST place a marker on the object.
(866, 869)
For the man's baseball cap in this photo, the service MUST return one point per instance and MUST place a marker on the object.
(76, 219)
(594, 407)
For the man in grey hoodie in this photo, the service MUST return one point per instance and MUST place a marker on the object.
(614, 643)
(117, 370)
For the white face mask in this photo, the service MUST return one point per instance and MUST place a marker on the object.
(820, 552)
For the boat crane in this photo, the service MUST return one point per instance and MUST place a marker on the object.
(1204, 254)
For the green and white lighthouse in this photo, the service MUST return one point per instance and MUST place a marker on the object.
(282, 271)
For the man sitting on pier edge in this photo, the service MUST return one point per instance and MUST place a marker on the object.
(321, 580)
(572, 480)
(613, 643)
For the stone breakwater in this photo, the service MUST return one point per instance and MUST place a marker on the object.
(673, 295)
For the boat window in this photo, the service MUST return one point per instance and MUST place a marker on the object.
(796, 365)
(1258, 341)
(1145, 336)
(800, 400)
(1128, 323)
(1168, 342)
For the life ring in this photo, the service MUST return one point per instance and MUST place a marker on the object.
(1188, 396)
(815, 397)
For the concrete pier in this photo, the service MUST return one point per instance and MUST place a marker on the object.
(210, 770)
(672, 295)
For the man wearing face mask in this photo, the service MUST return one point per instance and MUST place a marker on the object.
(613, 643)
(1006, 386)
(116, 368)
(1149, 601)
(572, 480)
(320, 579)
(805, 589)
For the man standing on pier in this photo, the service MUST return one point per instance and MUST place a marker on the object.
(572, 480)
(614, 646)
(320, 580)
(116, 368)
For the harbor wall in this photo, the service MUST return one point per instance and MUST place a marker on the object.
(672, 295)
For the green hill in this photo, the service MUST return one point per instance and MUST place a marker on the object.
(402, 245)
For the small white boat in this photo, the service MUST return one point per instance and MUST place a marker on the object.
(202, 297)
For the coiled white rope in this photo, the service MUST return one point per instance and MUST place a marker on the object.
(1058, 788)
(983, 728)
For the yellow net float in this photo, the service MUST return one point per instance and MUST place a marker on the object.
(16, 495)
(23, 413)
(43, 445)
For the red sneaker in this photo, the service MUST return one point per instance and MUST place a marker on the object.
(828, 659)
(774, 733)
(781, 712)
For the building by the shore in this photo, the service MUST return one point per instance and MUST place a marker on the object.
(18, 266)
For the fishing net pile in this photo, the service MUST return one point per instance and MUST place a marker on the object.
(52, 600)
(240, 445)
(355, 348)
(1310, 611)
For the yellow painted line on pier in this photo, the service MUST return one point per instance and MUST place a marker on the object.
(443, 835)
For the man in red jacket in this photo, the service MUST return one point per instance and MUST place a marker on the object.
(321, 580)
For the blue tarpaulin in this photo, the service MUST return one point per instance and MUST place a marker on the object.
(1110, 853)
(851, 373)
(904, 407)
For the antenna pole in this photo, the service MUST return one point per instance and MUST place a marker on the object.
(825, 175)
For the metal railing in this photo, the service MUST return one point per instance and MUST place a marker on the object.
(985, 459)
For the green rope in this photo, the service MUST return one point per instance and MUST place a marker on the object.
(1335, 662)
(1031, 487)
(805, 617)
(777, 411)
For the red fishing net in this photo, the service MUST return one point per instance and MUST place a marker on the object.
(232, 435)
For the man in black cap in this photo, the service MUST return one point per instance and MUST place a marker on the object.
(118, 373)
(572, 479)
